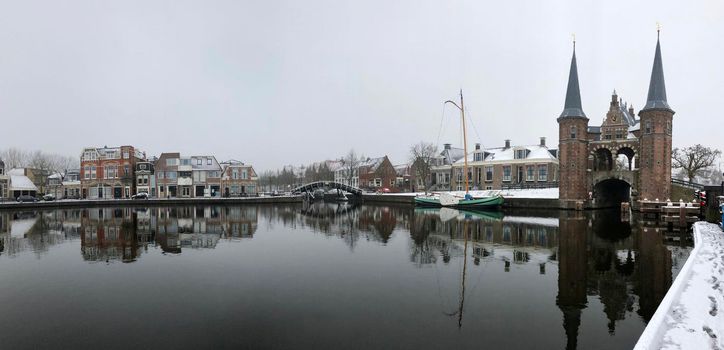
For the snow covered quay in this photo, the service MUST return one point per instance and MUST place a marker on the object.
(689, 317)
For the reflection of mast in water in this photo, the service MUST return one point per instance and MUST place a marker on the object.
(462, 278)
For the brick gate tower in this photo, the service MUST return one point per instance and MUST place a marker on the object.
(655, 139)
(624, 159)
(573, 141)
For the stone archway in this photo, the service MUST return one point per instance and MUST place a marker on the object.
(611, 192)
(602, 159)
(627, 154)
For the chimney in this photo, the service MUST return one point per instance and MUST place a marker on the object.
(477, 146)
(447, 146)
(542, 141)
(507, 144)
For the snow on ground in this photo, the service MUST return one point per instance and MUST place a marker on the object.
(553, 222)
(691, 316)
(550, 193)
(544, 193)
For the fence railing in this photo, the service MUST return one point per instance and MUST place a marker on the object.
(528, 185)
(688, 184)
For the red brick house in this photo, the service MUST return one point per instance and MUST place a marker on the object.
(375, 174)
(108, 172)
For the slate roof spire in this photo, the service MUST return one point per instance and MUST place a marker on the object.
(573, 108)
(657, 87)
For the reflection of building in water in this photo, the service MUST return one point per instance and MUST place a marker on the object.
(175, 228)
(512, 239)
(349, 221)
(35, 231)
(109, 234)
(654, 270)
(628, 269)
(572, 272)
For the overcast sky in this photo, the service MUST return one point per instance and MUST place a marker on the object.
(291, 82)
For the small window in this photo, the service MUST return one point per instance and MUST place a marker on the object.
(506, 172)
(208, 161)
(530, 173)
(542, 173)
(198, 161)
(489, 173)
(574, 131)
(647, 129)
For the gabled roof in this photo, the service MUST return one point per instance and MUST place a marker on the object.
(451, 155)
(372, 163)
(21, 183)
(402, 169)
(657, 87)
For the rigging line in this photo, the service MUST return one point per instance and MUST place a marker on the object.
(473, 124)
(439, 130)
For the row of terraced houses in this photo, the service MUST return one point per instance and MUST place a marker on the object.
(509, 166)
(121, 172)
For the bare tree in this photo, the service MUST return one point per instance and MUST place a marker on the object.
(350, 164)
(693, 159)
(422, 157)
(15, 158)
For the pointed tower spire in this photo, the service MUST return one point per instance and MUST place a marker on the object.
(573, 108)
(657, 87)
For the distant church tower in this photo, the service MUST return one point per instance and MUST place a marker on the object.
(655, 140)
(573, 141)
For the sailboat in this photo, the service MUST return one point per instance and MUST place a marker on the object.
(451, 200)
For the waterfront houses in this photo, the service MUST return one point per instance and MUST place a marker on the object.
(145, 178)
(64, 184)
(187, 177)
(238, 179)
(107, 173)
(441, 169)
(531, 166)
(20, 184)
(376, 174)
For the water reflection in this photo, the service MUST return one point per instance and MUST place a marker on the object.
(602, 267)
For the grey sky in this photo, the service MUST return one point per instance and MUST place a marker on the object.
(280, 82)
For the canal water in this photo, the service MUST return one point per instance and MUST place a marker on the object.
(329, 276)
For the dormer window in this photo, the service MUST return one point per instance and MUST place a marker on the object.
(521, 153)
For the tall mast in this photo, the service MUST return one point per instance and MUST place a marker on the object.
(465, 141)
(461, 107)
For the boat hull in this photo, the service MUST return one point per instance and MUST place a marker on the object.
(487, 202)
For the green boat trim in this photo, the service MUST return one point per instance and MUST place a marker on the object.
(487, 202)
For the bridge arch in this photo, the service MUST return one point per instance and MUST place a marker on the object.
(611, 192)
(311, 187)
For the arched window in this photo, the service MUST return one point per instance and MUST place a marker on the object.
(574, 131)
(648, 127)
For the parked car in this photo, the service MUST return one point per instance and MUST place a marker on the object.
(49, 197)
(140, 195)
(26, 198)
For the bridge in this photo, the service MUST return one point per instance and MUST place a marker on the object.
(326, 185)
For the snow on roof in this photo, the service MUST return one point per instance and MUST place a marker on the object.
(536, 152)
(17, 171)
(373, 163)
(71, 183)
(21, 183)
(56, 176)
